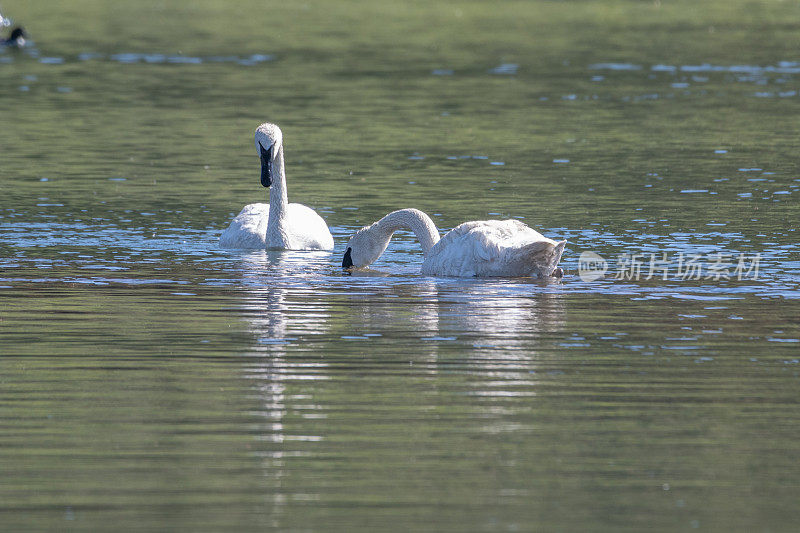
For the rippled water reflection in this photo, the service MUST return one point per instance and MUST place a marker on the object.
(151, 379)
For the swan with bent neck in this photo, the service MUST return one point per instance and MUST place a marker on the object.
(277, 225)
(482, 248)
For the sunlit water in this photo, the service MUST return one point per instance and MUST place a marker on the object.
(152, 380)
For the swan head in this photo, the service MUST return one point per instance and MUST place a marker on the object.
(17, 37)
(269, 140)
(365, 247)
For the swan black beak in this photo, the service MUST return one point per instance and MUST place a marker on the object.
(266, 165)
(347, 261)
(16, 39)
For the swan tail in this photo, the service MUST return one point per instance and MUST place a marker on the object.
(541, 258)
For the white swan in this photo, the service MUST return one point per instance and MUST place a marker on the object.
(481, 248)
(278, 224)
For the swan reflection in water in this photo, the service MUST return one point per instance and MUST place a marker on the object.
(505, 315)
(325, 343)
(487, 319)
(495, 327)
(285, 296)
(508, 324)
(284, 305)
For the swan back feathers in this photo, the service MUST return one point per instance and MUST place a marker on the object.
(494, 248)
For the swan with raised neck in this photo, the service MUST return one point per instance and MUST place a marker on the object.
(269, 143)
(278, 225)
(479, 248)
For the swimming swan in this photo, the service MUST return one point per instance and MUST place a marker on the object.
(16, 39)
(480, 248)
(277, 225)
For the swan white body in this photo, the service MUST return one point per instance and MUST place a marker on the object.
(483, 248)
(277, 225)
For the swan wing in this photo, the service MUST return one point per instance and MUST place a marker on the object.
(248, 230)
(491, 248)
(306, 230)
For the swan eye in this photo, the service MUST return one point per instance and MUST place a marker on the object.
(266, 165)
(347, 261)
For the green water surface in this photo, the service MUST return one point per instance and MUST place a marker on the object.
(151, 381)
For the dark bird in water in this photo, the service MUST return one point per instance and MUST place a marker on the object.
(16, 39)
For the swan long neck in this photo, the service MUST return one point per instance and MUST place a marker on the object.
(414, 220)
(278, 202)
